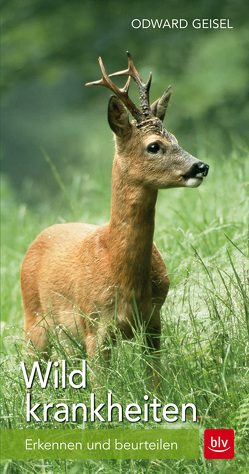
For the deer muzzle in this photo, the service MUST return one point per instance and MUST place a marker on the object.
(195, 174)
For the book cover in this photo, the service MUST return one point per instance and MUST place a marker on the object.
(124, 124)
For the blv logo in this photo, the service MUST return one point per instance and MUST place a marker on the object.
(219, 444)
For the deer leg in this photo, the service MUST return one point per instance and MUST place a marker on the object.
(98, 352)
(36, 335)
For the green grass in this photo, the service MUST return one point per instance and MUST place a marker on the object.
(203, 237)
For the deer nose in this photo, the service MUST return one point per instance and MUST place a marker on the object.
(202, 168)
(197, 170)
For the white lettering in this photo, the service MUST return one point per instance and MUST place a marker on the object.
(129, 412)
(82, 372)
(196, 23)
(95, 411)
(167, 412)
(185, 407)
(156, 23)
(137, 25)
(64, 411)
(211, 23)
(74, 411)
(183, 23)
(155, 405)
(31, 411)
(28, 444)
(166, 24)
(36, 368)
(114, 405)
(146, 23)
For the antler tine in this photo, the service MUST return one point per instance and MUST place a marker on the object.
(130, 71)
(143, 88)
(121, 93)
(127, 85)
(108, 83)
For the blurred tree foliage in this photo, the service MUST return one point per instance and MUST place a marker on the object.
(50, 49)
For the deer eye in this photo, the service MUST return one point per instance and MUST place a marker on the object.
(153, 148)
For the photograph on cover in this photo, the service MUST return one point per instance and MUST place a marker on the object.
(124, 237)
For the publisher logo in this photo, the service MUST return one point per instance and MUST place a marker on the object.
(219, 444)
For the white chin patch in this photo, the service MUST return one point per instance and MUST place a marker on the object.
(193, 182)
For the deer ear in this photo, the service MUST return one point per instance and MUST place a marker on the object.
(159, 107)
(118, 117)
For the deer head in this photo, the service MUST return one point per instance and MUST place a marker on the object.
(144, 148)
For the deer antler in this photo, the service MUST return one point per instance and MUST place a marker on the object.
(123, 93)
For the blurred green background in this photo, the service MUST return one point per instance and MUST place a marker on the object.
(57, 151)
(50, 50)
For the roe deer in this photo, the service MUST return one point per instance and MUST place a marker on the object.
(88, 279)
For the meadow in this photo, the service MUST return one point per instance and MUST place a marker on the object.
(203, 237)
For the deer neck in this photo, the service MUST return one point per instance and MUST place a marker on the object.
(131, 230)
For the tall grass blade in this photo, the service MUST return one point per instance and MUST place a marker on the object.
(59, 181)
